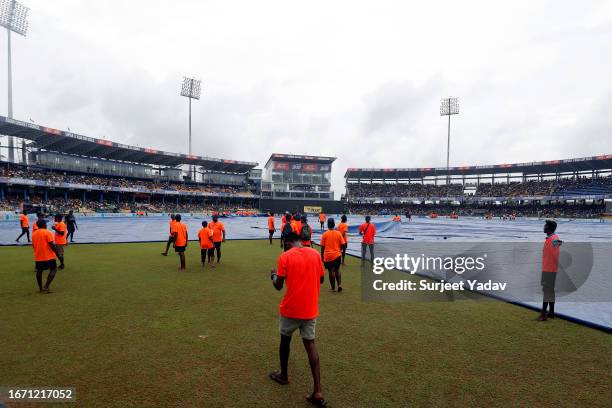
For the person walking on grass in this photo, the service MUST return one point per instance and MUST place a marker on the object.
(60, 238)
(180, 239)
(24, 222)
(271, 228)
(331, 253)
(218, 230)
(301, 269)
(550, 266)
(171, 225)
(71, 224)
(343, 228)
(368, 231)
(207, 249)
(45, 251)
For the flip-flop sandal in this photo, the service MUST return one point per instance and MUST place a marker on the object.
(315, 401)
(275, 376)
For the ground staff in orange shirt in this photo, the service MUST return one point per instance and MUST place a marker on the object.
(343, 228)
(322, 219)
(331, 252)
(218, 235)
(172, 221)
(207, 249)
(271, 229)
(180, 239)
(60, 238)
(45, 252)
(24, 222)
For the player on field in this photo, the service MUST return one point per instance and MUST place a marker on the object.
(343, 228)
(60, 238)
(218, 235)
(207, 249)
(331, 252)
(301, 268)
(24, 222)
(285, 231)
(180, 239)
(45, 252)
(171, 224)
(271, 229)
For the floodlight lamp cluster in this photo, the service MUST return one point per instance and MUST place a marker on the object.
(449, 106)
(191, 88)
(14, 16)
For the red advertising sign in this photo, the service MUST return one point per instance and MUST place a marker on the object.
(281, 166)
(310, 167)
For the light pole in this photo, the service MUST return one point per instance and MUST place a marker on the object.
(448, 107)
(13, 17)
(191, 89)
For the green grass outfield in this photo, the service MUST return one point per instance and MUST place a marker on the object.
(123, 327)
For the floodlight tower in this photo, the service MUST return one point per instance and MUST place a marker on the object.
(13, 17)
(448, 107)
(191, 89)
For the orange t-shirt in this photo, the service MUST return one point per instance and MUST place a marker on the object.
(180, 231)
(321, 217)
(41, 239)
(218, 229)
(302, 270)
(25, 222)
(332, 241)
(205, 236)
(296, 226)
(550, 253)
(172, 222)
(368, 232)
(343, 228)
(271, 223)
(35, 226)
(60, 239)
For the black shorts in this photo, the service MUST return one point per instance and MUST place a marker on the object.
(25, 229)
(335, 264)
(179, 249)
(548, 280)
(42, 265)
(217, 244)
(206, 251)
(271, 232)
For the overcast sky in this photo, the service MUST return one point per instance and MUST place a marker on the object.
(359, 80)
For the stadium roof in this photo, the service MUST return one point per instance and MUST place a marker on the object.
(603, 162)
(296, 158)
(71, 143)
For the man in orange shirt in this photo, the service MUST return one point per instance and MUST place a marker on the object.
(25, 226)
(331, 252)
(218, 235)
(45, 252)
(550, 266)
(368, 231)
(207, 249)
(60, 238)
(343, 228)
(180, 239)
(271, 229)
(172, 221)
(322, 219)
(301, 268)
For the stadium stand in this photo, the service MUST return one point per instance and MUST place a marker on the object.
(570, 188)
(64, 170)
